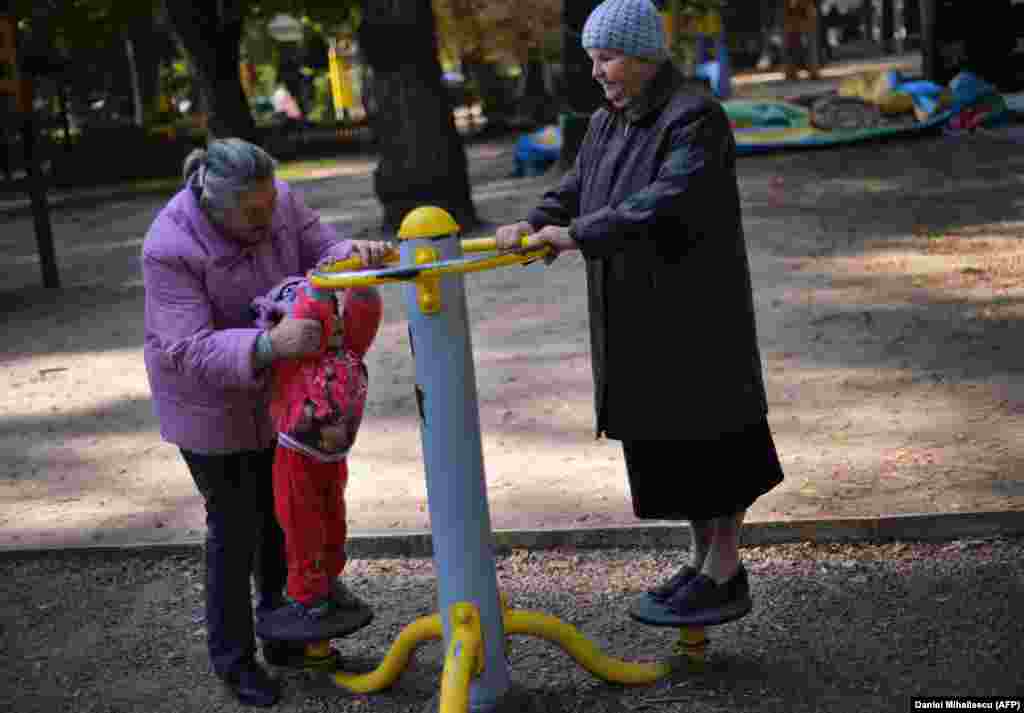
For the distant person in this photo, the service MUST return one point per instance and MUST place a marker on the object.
(285, 104)
(227, 237)
(800, 38)
(833, 22)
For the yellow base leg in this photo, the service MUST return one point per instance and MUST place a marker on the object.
(319, 656)
(423, 629)
(692, 645)
(463, 660)
(318, 649)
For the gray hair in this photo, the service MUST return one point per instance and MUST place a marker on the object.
(226, 169)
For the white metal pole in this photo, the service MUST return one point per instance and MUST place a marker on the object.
(453, 459)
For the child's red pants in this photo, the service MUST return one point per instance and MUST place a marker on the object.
(309, 499)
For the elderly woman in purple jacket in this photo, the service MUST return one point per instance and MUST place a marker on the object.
(227, 237)
(653, 205)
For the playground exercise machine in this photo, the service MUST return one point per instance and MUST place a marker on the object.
(473, 617)
(711, 52)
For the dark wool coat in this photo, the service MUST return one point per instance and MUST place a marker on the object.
(653, 202)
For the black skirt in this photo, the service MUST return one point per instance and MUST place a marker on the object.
(702, 479)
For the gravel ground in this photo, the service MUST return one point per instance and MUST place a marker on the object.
(835, 627)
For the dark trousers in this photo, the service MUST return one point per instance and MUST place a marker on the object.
(243, 539)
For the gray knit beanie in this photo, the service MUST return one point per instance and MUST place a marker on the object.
(631, 26)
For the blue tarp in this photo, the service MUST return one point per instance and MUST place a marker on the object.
(965, 91)
(764, 126)
(535, 152)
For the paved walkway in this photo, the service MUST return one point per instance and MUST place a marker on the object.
(899, 399)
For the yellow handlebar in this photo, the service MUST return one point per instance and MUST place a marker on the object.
(474, 245)
(343, 274)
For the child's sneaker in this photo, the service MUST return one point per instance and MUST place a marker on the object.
(344, 598)
(316, 656)
(317, 621)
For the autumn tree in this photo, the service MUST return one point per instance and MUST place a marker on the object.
(99, 46)
(211, 33)
(483, 34)
(422, 157)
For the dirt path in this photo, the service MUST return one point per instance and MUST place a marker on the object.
(888, 290)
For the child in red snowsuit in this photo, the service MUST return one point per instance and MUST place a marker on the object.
(317, 407)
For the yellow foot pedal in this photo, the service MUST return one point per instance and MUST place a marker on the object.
(309, 656)
(319, 656)
(693, 644)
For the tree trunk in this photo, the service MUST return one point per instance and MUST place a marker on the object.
(929, 45)
(536, 102)
(912, 18)
(583, 95)
(867, 13)
(211, 33)
(138, 114)
(153, 46)
(289, 73)
(495, 100)
(888, 25)
(422, 157)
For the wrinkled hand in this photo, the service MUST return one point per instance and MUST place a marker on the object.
(509, 237)
(372, 252)
(268, 312)
(295, 338)
(555, 237)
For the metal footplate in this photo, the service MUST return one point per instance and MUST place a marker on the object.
(284, 625)
(648, 611)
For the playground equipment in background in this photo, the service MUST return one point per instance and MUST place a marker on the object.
(968, 102)
(473, 619)
(707, 32)
(716, 69)
(536, 151)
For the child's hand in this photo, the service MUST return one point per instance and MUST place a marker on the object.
(295, 338)
(334, 437)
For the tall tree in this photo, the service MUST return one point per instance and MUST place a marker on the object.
(422, 157)
(481, 34)
(583, 95)
(211, 32)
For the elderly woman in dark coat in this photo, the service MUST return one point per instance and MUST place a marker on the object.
(653, 204)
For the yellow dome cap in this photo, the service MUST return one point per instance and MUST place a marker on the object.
(427, 222)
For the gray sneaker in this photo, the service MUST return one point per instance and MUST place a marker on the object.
(344, 598)
(664, 591)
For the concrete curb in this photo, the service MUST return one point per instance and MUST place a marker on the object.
(923, 527)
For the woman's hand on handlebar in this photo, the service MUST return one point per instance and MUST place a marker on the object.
(372, 252)
(509, 237)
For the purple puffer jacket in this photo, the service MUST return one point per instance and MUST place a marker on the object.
(200, 333)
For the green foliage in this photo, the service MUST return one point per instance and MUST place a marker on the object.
(320, 16)
(64, 25)
(698, 7)
(488, 31)
(321, 109)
